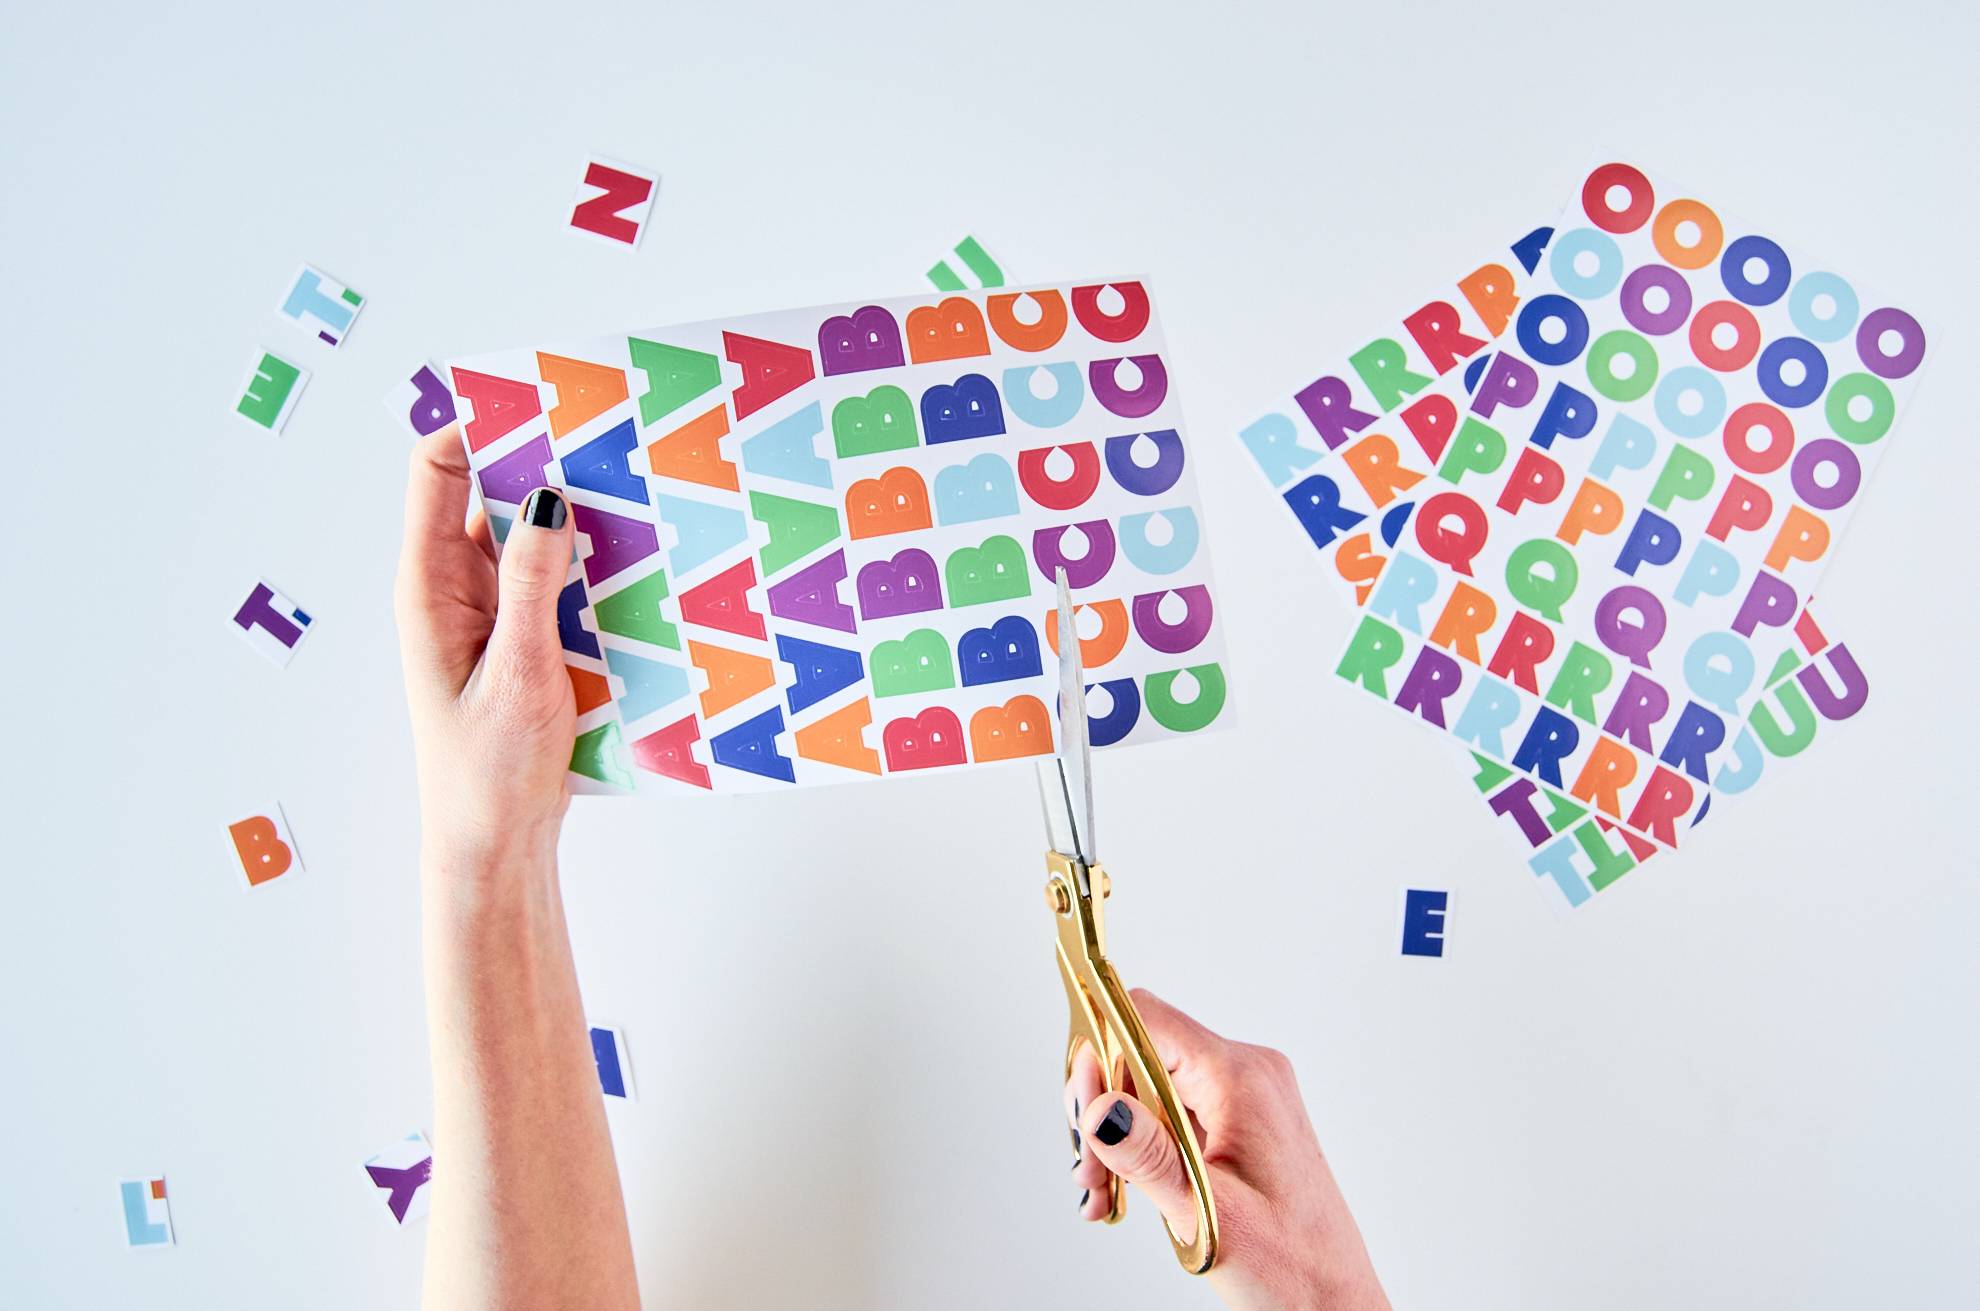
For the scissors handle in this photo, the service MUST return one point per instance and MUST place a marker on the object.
(1103, 1017)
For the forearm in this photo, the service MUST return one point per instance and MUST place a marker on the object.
(526, 1210)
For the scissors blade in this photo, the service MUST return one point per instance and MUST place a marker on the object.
(1058, 807)
(1075, 752)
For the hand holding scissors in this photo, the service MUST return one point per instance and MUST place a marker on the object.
(1104, 1021)
(1160, 1101)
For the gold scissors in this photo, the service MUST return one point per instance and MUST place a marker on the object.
(1103, 1015)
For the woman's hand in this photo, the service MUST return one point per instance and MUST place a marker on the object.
(492, 711)
(526, 1202)
(1285, 1237)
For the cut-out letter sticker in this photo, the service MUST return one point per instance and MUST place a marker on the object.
(400, 1175)
(263, 848)
(975, 260)
(147, 1213)
(421, 404)
(615, 1075)
(270, 391)
(320, 305)
(271, 623)
(1425, 915)
(612, 202)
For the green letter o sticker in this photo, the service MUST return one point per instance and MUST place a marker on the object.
(1883, 409)
(1601, 365)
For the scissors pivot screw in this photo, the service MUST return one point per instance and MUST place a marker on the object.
(1058, 897)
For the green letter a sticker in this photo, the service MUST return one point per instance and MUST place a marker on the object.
(600, 754)
(797, 528)
(635, 612)
(674, 376)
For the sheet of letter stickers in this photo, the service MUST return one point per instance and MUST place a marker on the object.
(1354, 486)
(819, 545)
(1575, 852)
(1671, 444)
(1341, 448)
(1349, 486)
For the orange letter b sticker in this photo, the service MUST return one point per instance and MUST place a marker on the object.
(1019, 727)
(263, 847)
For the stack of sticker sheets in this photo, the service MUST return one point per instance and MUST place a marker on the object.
(821, 545)
(1580, 497)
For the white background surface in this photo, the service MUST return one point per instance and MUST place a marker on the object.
(1744, 1078)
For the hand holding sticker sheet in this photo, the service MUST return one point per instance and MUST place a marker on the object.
(817, 545)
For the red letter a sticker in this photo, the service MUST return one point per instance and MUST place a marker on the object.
(770, 369)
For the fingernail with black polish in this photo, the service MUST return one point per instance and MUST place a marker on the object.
(1115, 1127)
(1075, 1136)
(1076, 1161)
(544, 509)
(1082, 1198)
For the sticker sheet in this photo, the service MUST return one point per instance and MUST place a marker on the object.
(1347, 452)
(1575, 853)
(1329, 452)
(1669, 452)
(1354, 451)
(819, 545)
(1356, 490)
